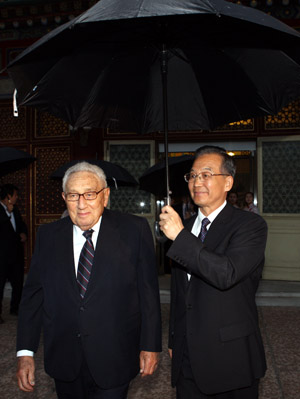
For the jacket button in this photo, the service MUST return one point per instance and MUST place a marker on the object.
(81, 308)
(78, 335)
(189, 307)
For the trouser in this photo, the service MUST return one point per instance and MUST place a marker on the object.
(13, 272)
(186, 386)
(84, 387)
(16, 278)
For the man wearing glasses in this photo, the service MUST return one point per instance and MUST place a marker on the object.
(93, 288)
(215, 342)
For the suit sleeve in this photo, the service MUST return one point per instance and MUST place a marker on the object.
(30, 312)
(172, 310)
(150, 339)
(239, 254)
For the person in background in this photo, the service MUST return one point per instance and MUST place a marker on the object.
(185, 208)
(215, 343)
(232, 198)
(93, 289)
(249, 205)
(13, 234)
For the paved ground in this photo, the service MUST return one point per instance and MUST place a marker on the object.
(280, 326)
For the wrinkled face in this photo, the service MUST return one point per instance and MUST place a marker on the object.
(13, 198)
(86, 213)
(232, 198)
(249, 199)
(210, 194)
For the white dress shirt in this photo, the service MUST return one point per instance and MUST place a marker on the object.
(10, 215)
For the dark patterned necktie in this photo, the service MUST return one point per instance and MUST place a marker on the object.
(85, 263)
(203, 232)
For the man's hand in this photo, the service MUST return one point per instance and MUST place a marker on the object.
(170, 352)
(25, 373)
(170, 222)
(148, 362)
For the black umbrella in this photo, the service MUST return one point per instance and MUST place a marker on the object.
(12, 160)
(116, 175)
(214, 62)
(153, 179)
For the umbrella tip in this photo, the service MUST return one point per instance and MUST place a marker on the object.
(115, 181)
(15, 106)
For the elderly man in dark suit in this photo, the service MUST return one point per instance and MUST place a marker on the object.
(93, 288)
(215, 342)
(13, 234)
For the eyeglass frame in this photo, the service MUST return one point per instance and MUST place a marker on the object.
(202, 178)
(83, 195)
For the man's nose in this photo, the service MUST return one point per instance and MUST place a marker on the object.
(81, 202)
(198, 181)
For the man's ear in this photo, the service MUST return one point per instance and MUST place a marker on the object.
(106, 196)
(228, 183)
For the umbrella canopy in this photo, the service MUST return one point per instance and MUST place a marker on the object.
(153, 179)
(116, 175)
(224, 62)
(156, 65)
(12, 160)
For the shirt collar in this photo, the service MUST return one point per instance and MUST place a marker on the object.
(78, 232)
(211, 217)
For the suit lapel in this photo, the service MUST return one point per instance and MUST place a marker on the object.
(217, 228)
(106, 254)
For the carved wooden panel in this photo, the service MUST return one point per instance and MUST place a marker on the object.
(48, 126)
(287, 118)
(12, 128)
(47, 192)
(243, 125)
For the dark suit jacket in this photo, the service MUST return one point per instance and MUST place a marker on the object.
(11, 248)
(216, 310)
(120, 314)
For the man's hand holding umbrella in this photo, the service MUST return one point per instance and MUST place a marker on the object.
(170, 222)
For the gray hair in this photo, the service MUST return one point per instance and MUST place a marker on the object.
(84, 167)
(227, 166)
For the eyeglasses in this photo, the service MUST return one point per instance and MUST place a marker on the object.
(205, 176)
(89, 196)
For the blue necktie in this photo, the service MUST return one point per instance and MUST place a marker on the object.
(203, 232)
(85, 263)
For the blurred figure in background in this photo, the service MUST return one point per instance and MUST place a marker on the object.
(249, 206)
(13, 234)
(186, 208)
(232, 198)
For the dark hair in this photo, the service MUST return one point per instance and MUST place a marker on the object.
(227, 166)
(7, 189)
(249, 192)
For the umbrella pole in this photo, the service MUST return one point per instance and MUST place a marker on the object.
(160, 237)
(164, 73)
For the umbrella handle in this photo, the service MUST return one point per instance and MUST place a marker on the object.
(159, 235)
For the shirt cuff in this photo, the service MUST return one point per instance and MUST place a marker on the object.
(25, 352)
